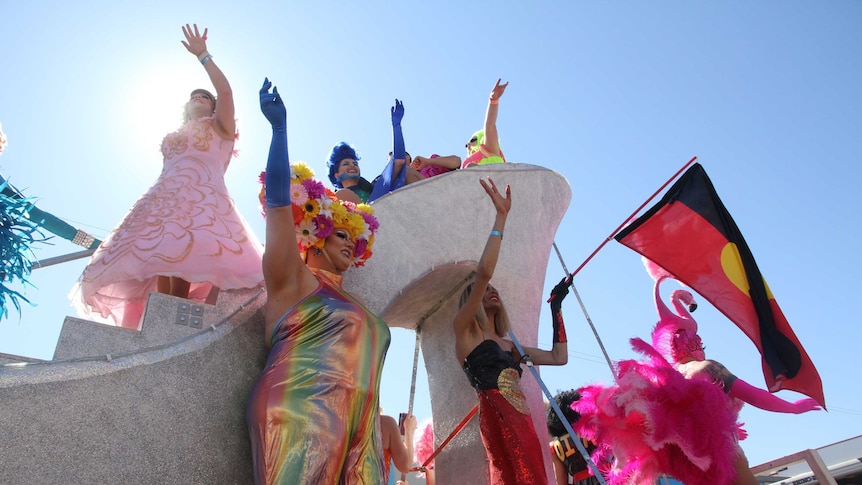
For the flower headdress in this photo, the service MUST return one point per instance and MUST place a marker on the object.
(317, 213)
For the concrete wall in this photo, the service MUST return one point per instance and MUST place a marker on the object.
(167, 415)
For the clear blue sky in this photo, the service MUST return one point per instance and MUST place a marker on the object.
(616, 96)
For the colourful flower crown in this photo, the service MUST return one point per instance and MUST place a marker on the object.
(317, 213)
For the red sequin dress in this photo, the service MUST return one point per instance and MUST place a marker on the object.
(185, 225)
(513, 447)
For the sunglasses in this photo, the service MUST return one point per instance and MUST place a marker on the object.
(472, 141)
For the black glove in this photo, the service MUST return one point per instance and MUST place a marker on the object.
(558, 294)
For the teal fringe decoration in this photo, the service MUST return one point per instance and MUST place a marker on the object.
(17, 235)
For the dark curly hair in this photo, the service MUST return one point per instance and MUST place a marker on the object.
(339, 152)
(564, 399)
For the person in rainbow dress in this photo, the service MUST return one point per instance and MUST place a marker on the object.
(313, 411)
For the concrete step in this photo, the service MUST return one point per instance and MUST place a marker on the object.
(167, 319)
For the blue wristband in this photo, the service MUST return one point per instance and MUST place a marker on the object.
(497, 233)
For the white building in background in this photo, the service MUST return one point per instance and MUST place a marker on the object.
(843, 460)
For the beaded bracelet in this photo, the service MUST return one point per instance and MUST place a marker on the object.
(497, 233)
(204, 57)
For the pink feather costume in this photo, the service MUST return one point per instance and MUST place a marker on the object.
(654, 420)
(423, 445)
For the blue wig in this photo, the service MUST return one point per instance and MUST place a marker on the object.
(339, 152)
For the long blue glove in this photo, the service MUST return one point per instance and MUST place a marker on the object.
(398, 150)
(388, 180)
(278, 163)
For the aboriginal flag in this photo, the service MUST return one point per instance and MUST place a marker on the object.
(690, 234)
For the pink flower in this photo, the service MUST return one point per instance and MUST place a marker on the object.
(324, 226)
(314, 188)
(359, 248)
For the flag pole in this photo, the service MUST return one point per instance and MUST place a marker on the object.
(587, 315)
(413, 384)
(559, 412)
(633, 215)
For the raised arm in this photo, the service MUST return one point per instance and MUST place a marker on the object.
(224, 111)
(451, 162)
(397, 173)
(768, 401)
(559, 353)
(492, 139)
(399, 152)
(401, 451)
(285, 273)
(488, 261)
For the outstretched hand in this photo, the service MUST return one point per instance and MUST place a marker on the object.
(498, 90)
(805, 405)
(195, 42)
(502, 204)
(272, 105)
(397, 113)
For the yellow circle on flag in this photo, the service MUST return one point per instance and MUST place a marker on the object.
(731, 264)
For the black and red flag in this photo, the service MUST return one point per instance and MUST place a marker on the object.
(690, 234)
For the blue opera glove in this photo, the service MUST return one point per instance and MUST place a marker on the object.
(272, 106)
(278, 163)
(398, 150)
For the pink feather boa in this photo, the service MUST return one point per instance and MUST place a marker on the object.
(654, 421)
(423, 443)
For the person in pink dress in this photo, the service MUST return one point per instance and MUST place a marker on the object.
(184, 236)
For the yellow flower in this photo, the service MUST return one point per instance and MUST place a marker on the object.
(311, 208)
(300, 171)
(339, 213)
(356, 226)
(365, 208)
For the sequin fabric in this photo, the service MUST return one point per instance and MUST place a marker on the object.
(511, 442)
(509, 383)
(513, 447)
(313, 412)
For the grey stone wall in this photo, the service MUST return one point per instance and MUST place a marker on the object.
(173, 414)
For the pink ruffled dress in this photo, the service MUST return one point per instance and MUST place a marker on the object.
(185, 225)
